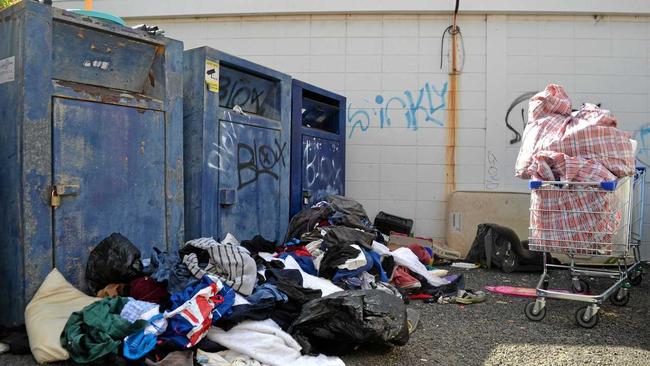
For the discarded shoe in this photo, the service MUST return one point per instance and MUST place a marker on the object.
(469, 297)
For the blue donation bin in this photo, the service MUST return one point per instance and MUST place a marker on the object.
(90, 142)
(317, 145)
(236, 146)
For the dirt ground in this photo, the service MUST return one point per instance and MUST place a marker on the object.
(497, 332)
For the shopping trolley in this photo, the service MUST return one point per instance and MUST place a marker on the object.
(584, 220)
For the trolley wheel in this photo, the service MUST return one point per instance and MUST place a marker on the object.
(635, 278)
(589, 323)
(545, 284)
(620, 298)
(582, 287)
(529, 310)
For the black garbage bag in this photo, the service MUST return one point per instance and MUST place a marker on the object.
(114, 260)
(337, 323)
(500, 247)
(349, 212)
(344, 236)
(305, 221)
(347, 206)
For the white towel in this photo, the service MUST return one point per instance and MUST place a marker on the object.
(266, 342)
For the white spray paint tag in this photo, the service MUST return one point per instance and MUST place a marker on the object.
(7, 69)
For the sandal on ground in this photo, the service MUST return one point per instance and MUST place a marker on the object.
(469, 297)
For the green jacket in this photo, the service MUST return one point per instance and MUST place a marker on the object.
(97, 330)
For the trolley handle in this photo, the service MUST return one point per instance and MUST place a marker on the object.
(607, 185)
(639, 174)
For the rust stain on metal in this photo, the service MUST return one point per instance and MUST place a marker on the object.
(450, 166)
(152, 78)
(105, 95)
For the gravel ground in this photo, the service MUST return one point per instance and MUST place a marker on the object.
(497, 332)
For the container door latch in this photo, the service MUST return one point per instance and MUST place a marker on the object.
(61, 190)
(306, 197)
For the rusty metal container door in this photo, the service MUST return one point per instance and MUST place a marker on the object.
(109, 167)
(91, 143)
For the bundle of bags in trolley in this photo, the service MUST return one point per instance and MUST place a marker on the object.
(584, 145)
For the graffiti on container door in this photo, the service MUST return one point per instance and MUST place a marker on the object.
(254, 161)
(321, 170)
(412, 109)
(223, 152)
(253, 95)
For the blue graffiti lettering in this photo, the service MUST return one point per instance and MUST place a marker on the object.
(426, 102)
(361, 119)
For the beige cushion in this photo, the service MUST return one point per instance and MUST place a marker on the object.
(47, 313)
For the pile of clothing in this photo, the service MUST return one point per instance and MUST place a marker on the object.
(329, 287)
(573, 146)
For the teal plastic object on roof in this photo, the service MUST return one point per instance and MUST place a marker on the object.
(110, 18)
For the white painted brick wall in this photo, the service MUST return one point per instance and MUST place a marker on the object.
(400, 169)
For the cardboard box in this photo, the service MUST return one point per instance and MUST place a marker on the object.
(397, 240)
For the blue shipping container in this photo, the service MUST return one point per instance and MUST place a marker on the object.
(317, 143)
(236, 146)
(90, 144)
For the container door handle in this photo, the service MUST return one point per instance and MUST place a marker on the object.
(306, 196)
(227, 197)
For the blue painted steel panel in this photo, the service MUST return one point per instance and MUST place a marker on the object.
(11, 109)
(323, 169)
(109, 52)
(318, 145)
(114, 158)
(61, 127)
(236, 147)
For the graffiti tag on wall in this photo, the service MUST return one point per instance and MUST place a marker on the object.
(492, 181)
(518, 110)
(409, 108)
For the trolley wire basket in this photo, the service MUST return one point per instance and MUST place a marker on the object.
(582, 219)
